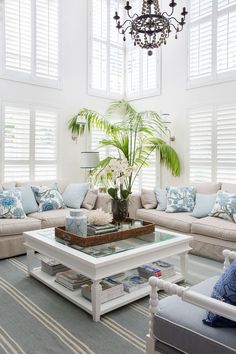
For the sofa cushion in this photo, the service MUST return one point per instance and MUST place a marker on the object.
(148, 198)
(161, 196)
(180, 199)
(179, 324)
(215, 227)
(90, 199)
(16, 227)
(225, 206)
(228, 187)
(53, 218)
(175, 221)
(11, 205)
(203, 205)
(207, 187)
(74, 194)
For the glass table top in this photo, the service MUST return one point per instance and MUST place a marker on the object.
(108, 249)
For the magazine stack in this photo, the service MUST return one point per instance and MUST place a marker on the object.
(71, 280)
(157, 269)
(52, 267)
(110, 290)
(133, 282)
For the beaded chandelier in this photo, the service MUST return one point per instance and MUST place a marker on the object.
(150, 29)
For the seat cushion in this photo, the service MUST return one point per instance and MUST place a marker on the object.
(17, 226)
(175, 221)
(53, 218)
(180, 325)
(215, 227)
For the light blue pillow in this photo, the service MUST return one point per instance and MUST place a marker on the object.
(203, 205)
(161, 195)
(11, 206)
(48, 198)
(225, 206)
(28, 199)
(74, 194)
(180, 199)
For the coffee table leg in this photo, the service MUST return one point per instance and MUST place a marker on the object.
(30, 256)
(184, 263)
(96, 291)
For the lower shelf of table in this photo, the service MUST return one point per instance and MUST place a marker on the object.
(79, 300)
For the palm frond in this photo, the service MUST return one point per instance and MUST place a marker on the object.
(122, 107)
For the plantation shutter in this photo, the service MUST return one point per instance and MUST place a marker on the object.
(200, 146)
(16, 143)
(226, 40)
(226, 145)
(45, 144)
(17, 20)
(47, 60)
(96, 138)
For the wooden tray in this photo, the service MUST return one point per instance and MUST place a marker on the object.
(61, 233)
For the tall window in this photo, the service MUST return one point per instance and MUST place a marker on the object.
(212, 41)
(30, 41)
(29, 146)
(212, 145)
(116, 68)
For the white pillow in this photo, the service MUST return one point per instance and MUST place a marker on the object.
(74, 194)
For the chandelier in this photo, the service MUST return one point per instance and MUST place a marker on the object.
(150, 29)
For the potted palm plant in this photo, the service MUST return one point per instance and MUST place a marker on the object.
(134, 137)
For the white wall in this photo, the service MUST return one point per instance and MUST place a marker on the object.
(73, 95)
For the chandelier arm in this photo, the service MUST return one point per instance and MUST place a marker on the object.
(168, 15)
(132, 16)
(122, 25)
(126, 29)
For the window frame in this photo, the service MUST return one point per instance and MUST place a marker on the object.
(32, 162)
(107, 94)
(214, 78)
(24, 77)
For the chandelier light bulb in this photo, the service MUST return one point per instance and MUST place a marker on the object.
(152, 28)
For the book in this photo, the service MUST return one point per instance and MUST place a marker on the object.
(97, 230)
(101, 250)
(52, 266)
(157, 269)
(71, 279)
(110, 290)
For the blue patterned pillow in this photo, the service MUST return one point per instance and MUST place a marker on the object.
(225, 206)
(48, 198)
(11, 205)
(180, 199)
(224, 290)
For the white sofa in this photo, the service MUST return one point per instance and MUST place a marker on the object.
(11, 238)
(211, 235)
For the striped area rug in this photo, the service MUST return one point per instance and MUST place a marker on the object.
(36, 320)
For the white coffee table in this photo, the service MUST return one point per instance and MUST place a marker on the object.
(148, 249)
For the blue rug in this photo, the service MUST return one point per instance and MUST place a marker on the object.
(36, 320)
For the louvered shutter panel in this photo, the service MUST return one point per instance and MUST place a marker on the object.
(222, 4)
(96, 138)
(47, 59)
(132, 72)
(16, 143)
(200, 146)
(226, 145)
(200, 51)
(116, 81)
(226, 42)
(200, 8)
(17, 20)
(45, 144)
(150, 71)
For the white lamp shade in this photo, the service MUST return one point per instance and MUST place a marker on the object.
(89, 159)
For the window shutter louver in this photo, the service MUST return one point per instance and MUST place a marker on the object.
(222, 4)
(200, 9)
(16, 143)
(200, 146)
(17, 20)
(226, 145)
(47, 60)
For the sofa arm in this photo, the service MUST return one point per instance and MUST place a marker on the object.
(134, 205)
(103, 202)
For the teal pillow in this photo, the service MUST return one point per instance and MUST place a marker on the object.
(225, 206)
(11, 206)
(27, 198)
(203, 205)
(161, 195)
(180, 199)
(48, 198)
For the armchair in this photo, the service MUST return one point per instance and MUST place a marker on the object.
(176, 322)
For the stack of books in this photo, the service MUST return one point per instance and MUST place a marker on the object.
(110, 290)
(133, 282)
(157, 269)
(98, 230)
(71, 280)
(52, 267)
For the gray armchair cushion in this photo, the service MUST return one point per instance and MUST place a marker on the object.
(179, 325)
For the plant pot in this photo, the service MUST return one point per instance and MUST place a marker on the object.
(119, 210)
